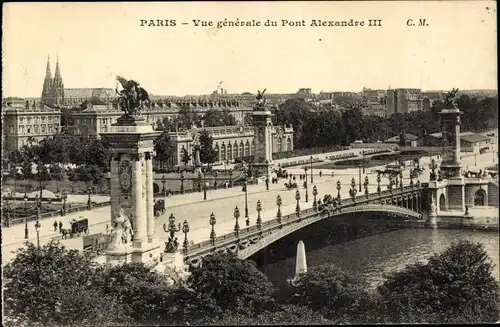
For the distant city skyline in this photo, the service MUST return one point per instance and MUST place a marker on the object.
(97, 41)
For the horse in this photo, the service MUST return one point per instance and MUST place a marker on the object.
(65, 232)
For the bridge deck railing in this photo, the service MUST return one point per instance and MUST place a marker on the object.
(253, 231)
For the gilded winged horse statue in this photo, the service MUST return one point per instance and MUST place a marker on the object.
(132, 96)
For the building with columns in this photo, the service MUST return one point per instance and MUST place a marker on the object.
(231, 142)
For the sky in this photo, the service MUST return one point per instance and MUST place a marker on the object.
(97, 41)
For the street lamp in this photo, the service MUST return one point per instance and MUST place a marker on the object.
(353, 190)
(378, 184)
(215, 184)
(401, 179)
(212, 233)
(231, 177)
(236, 226)
(204, 183)
(89, 191)
(278, 203)
(339, 187)
(172, 229)
(297, 208)
(315, 192)
(433, 167)
(312, 181)
(37, 228)
(359, 177)
(366, 186)
(245, 188)
(185, 230)
(163, 190)
(64, 197)
(259, 219)
(26, 234)
(305, 183)
(182, 181)
(199, 181)
(363, 154)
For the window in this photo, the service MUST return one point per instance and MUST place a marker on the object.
(36, 129)
(50, 128)
(28, 129)
(12, 129)
(43, 128)
(43, 119)
(56, 127)
(21, 129)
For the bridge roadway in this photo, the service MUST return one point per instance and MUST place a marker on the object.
(196, 211)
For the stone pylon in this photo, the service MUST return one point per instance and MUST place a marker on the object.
(131, 140)
(263, 158)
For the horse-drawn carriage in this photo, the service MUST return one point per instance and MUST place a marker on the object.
(159, 208)
(290, 185)
(77, 228)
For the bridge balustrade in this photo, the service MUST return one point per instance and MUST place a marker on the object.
(253, 233)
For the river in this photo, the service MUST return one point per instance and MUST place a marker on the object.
(376, 255)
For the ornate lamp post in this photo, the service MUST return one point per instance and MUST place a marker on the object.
(359, 177)
(305, 184)
(312, 181)
(378, 184)
(297, 198)
(172, 229)
(259, 219)
(204, 184)
(353, 190)
(212, 233)
(163, 190)
(401, 179)
(315, 192)
(89, 203)
(391, 181)
(278, 203)
(64, 198)
(363, 154)
(185, 230)
(199, 182)
(245, 187)
(215, 183)
(366, 183)
(26, 233)
(339, 187)
(433, 166)
(183, 177)
(37, 227)
(411, 178)
(230, 177)
(236, 226)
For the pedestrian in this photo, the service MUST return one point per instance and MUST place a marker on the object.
(60, 226)
(107, 228)
(294, 178)
(320, 173)
(62, 214)
(55, 226)
(332, 173)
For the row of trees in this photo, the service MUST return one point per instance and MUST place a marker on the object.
(317, 129)
(56, 287)
(52, 156)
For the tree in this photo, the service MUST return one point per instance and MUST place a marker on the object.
(336, 294)
(55, 286)
(143, 292)
(163, 147)
(281, 315)
(215, 117)
(57, 173)
(208, 154)
(225, 283)
(43, 176)
(455, 286)
(185, 156)
(187, 118)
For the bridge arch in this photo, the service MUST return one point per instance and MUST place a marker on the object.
(480, 198)
(260, 239)
(442, 202)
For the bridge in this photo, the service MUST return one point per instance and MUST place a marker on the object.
(404, 202)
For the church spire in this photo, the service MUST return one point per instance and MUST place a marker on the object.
(48, 74)
(58, 73)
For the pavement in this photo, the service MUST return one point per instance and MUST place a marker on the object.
(196, 211)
